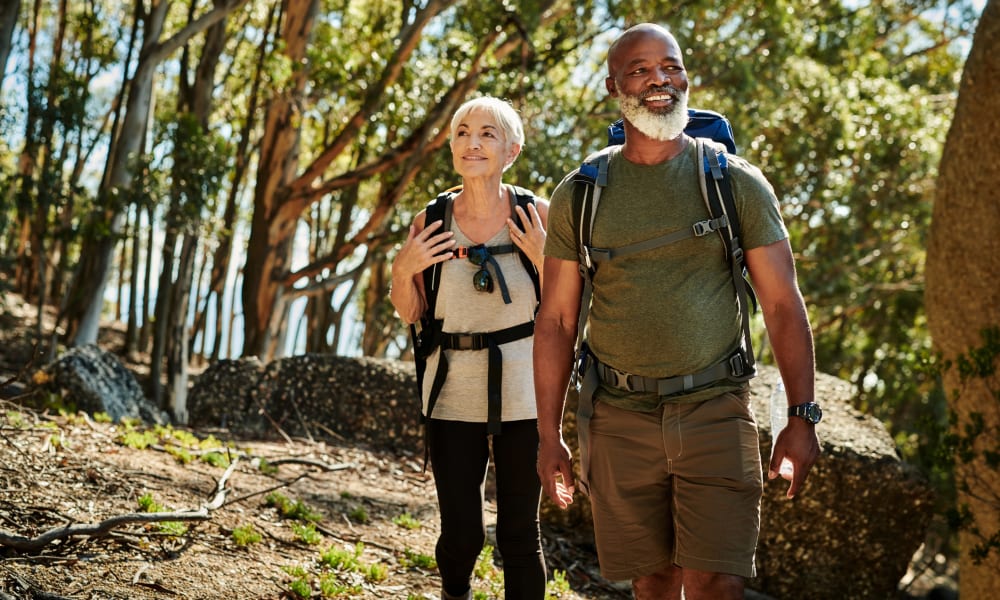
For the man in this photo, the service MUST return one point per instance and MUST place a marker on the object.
(675, 481)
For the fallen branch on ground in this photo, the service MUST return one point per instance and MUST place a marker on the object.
(19, 542)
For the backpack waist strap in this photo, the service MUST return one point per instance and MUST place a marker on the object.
(734, 368)
(494, 374)
(480, 341)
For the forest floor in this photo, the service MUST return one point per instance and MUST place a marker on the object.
(290, 519)
(333, 519)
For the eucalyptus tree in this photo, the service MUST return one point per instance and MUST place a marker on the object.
(963, 305)
(8, 21)
(66, 49)
(86, 297)
(356, 122)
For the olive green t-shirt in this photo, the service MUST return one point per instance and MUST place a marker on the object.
(671, 310)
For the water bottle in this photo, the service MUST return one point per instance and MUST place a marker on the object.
(779, 418)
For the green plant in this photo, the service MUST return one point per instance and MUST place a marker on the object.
(557, 586)
(148, 504)
(301, 588)
(418, 560)
(331, 587)
(488, 572)
(140, 440)
(338, 558)
(376, 572)
(182, 455)
(216, 459)
(359, 514)
(16, 420)
(971, 443)
(245, 535)
(406, 521)
(290, 509)
(307, 533)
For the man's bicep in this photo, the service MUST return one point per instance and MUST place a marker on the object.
(561, 295)
(772, 270)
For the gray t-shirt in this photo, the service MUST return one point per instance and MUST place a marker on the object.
(671, 310)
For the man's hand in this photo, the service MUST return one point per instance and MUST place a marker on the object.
(555, 469)
(799, 444)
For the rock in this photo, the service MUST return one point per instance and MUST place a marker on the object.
(853, 528)
(316, 395)
(97, 381)
(221, 395)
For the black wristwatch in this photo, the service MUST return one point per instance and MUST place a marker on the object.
(810, 411)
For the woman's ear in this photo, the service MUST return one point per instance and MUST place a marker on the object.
(513, 153)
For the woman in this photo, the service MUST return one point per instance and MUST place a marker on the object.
(482, 265)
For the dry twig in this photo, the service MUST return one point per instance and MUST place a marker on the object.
(23, 543)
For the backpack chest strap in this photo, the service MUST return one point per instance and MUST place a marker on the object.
(697, 230)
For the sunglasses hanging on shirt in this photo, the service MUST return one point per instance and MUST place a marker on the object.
(482, 257)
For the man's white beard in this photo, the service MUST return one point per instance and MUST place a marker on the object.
(659, 126)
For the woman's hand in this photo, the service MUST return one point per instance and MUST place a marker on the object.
(531, 240)
(421, 249)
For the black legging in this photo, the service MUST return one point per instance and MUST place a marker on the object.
(459, 458)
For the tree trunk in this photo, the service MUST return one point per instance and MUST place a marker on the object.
(274, 219)
(962, 296)
(87, 298)
(8, 20)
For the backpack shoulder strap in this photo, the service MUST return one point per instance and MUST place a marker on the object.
(717, 192)
(522, 197)
(438, 209)
(589, 180)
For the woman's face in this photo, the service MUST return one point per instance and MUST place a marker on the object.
(479, 147)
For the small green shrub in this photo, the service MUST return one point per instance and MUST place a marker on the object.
(406, 521)
(418, 560)
(246, 535)
(359, 514)
(307, 533)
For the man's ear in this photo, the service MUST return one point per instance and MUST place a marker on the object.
(609, 83)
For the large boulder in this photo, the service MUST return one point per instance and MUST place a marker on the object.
(97, 381)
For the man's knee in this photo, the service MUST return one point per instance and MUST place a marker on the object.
(665, 584)
(707, 585)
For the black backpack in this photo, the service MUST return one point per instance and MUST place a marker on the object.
(429, 336)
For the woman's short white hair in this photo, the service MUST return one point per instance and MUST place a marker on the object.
(501, 110)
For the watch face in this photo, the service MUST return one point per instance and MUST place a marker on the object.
(810, 411)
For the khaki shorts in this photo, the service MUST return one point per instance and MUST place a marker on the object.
(677, 486)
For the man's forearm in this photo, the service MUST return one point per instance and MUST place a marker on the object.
(553, 361)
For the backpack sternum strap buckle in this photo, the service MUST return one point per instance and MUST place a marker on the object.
(465, 341)
(710, 225)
